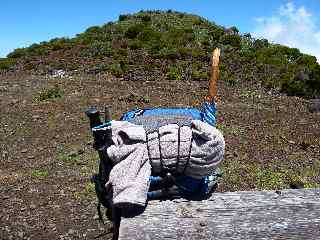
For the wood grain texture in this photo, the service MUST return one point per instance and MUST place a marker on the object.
(214, 73)
(289, 214)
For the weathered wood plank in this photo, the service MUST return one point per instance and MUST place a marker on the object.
(289, 214)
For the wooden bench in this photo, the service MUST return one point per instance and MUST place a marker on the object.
(286, 214)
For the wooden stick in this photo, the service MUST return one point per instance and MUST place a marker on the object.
(214, 75)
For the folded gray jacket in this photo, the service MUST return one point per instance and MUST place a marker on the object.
(197, 153)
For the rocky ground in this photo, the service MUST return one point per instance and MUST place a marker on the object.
(273, 142)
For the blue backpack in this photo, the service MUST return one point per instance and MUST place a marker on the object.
(161, 187)
(176, 186)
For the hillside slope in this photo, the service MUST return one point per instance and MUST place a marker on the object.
(46, 154)
(158, 45)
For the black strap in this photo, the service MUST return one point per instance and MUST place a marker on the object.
(160, 154)
(99, 213)
(178, 158)
(187, 163)
(148, 149)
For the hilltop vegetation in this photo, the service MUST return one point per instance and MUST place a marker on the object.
(157, 45)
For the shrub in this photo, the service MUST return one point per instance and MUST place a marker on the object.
(134, 30)
(199, 75)
(145, 18)
(169, 53)
(197, 21)
(196, 53)
(233, 30)
(260, 43)
(59, 43)
(216, 33)
(48, 94)
(93, 30)
(116, 70)
(122, 52)
(307, 60)
(149, 34)
(135, 44)
(17, 53)
(179, 36)
(123, 17)
(174, 73)
(39, 173)
(294, 87)
(233, 40)
(154, 47)
(184, 52)
(6, 63)
(247, 35)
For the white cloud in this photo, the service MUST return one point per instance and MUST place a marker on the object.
(292, 26)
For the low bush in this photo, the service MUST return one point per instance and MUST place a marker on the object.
(135, 44)
(6, 63)
(48, 94)
(123, 17)
(169, 53)
(233, 40)
(116, 70)
(17, 53)
(174, 73)
(134, 30)
(199, 75)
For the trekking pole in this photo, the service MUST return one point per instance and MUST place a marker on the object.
(94, 116)
(102, 132)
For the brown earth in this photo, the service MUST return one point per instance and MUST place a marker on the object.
(273, 142)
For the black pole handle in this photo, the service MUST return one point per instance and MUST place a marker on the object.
(94, 115)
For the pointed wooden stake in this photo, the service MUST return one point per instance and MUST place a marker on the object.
(214, 75)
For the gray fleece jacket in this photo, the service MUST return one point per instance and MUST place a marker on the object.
(135, 153)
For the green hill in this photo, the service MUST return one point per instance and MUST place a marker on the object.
(155, 45)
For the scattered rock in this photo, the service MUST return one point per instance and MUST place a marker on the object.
(5, 154)
(296, 185)
(73, 153)
(20, 234)
(80, 151)
(278, 192)
(304, 146)
(202, 224)
(31, 157)
(59, 73)
(35, 117)
(5, 197)
(14, 101)
(133, 98)
(314, 105)
(3, 89)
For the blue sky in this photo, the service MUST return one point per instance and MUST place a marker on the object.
(25, 22)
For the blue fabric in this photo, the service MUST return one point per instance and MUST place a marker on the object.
(209, 113)
(191, 112)
(190, 187)
(105, 124)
